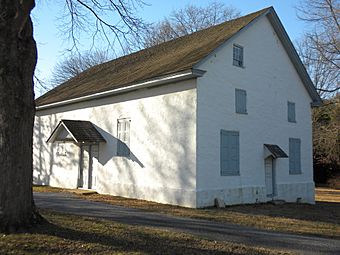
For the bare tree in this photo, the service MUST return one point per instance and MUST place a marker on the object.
(100, 20)
(320, 49)
(182, 22)
(75, 63)
(326, 133)
(18, 56)
(186, 21)
(323, 73)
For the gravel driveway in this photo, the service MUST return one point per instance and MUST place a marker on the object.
(302, 244)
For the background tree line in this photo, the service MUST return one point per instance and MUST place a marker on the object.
(320, 53)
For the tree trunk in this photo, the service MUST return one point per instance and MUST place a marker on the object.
(18, 58)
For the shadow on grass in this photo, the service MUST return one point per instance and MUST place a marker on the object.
(115, 238)
(328, 212)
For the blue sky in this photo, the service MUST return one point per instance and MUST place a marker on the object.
(52, 47)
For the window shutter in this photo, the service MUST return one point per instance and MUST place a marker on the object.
(291, 112)
(123, 135)
(298, 156)
(240, 101)
(230, 153)
(294, 156)
(291, 156)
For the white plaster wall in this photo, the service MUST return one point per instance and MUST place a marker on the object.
(48, 164)
(270, 81)
(162, 166)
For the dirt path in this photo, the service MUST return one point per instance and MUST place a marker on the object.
(67, 203)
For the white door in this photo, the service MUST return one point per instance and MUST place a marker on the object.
(85, 167)
(94, 164)
(269, 176)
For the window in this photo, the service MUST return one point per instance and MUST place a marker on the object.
(240, 101)
(237, 55)
(123, 134)
(230, 153)
(291, 112)
(294, 156)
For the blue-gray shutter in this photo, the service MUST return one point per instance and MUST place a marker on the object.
(294, 156)
(229, 153)
(291, 112)
(240, 101)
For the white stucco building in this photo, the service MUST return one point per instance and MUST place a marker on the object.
(222, 113)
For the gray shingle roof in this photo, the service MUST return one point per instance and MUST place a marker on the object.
(170, 57)
(82, 131)
(276, 151)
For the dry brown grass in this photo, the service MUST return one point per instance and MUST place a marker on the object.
(321, 219)
(327, 195)
(68, 234)
(39, 188)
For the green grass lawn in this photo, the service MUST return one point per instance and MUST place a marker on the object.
(68, 234)
(321, 219)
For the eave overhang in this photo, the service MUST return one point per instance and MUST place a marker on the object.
(294, 57)
(176, 77)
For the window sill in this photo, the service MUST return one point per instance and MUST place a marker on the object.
(295, 173)
(242, 67)
(230, 175)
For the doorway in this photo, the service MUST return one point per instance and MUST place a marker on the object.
(87, 172)
(269, 176)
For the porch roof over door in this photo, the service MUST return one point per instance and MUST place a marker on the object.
(78, 131)
(275, 151)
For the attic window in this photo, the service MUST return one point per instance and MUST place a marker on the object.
(237, 55)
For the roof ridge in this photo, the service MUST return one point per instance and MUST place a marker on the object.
(178, 38)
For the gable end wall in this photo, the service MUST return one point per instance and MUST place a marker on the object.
(270, 80)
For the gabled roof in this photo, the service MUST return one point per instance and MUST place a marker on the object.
(170, 57)
(175, 58)
(78, 131)
(275, 151)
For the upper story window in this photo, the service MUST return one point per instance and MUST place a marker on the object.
(237, 55)
(291, 112)
(240, 101)
(123, 135)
